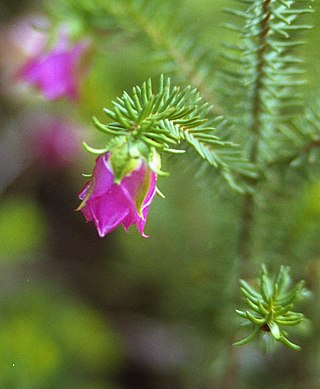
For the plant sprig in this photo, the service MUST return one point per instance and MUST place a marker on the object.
(270, 308)
(161, 121)
(263, 76)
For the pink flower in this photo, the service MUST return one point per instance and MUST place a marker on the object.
(56, 73)
(55, 141)
(110, 205)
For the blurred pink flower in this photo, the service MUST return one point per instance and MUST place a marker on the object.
(55, 69)
(56, 73)
(20, 40)
(55, 141)
(110, 205)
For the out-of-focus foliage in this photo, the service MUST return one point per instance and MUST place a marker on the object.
(22, 229)
(50, 340)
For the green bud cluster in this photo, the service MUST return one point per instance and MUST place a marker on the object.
(271, 307)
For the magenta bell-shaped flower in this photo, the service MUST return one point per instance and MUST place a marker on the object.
(56, 73)
(109, 204)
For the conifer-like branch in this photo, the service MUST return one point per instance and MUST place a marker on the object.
(270, 308)
(264, 75)
(262, 82)
(298, 143)
(167, 118)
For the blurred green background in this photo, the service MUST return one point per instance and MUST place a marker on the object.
(80, 312)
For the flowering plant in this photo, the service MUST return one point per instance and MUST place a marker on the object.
(110, 204)
(244, 122)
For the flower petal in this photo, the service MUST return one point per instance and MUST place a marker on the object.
(98, 186)
(141, 221)
(108, 211)
(133, 182)
(102, 179)
(134, 217)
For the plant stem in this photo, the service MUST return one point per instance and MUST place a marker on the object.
(247, 213)
(248, 206)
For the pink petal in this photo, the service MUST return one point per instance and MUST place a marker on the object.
(108, 211)
(102, 179)
(134, 217)
(132, 182)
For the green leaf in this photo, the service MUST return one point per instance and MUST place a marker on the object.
(275, 330)
(248, 339)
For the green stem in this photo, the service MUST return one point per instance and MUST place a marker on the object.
(248, 206)
(247, 215)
